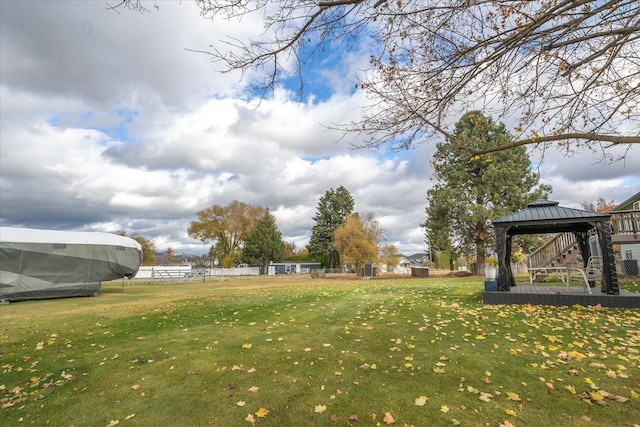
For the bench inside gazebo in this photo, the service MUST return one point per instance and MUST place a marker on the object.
(542, 217)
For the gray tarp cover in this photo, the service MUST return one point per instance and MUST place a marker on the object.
(38, 264)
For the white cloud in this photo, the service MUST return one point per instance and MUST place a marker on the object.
(109, 123)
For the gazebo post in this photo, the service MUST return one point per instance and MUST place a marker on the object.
(609, 282)
(503, 241)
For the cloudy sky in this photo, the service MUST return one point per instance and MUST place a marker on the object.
(110, 121)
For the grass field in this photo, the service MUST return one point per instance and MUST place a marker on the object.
(323, 352)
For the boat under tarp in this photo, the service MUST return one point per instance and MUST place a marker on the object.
(40, 264)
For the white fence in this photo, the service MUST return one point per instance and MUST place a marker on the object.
(184, 273)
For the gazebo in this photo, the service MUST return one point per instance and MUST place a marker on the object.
(545, 216)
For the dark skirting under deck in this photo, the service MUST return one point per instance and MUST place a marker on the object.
(560, 296)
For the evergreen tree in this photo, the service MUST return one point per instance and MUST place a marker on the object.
(470, 192)
(331, 212)
(264, 243)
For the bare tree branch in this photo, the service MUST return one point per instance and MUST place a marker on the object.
(561, 72)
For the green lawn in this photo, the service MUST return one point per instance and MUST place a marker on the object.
(304, 352)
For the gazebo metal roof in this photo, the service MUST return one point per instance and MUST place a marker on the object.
(544, 216)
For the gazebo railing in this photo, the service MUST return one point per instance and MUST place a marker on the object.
(549, 253)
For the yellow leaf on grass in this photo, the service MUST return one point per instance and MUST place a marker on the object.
(635, 394)
(444, 409)
(246, 345)
(388, 418)
(571, 389)
(319, 409)
(262, 412)
(513, 396)
(240, 403)
(250, 418)
(421, 401)
(510, 412)
(254, 389)
(485, 397)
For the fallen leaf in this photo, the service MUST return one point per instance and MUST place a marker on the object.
(485, 397)
(319, 409)
(262, 412)
(421, 401)
(444, 409)
(250, 418)
(240, 403)
(254, 389)
(388, 418)
(513, 396)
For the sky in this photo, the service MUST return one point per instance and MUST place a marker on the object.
(113, 121)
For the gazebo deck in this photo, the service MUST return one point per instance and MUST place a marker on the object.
(560, 296)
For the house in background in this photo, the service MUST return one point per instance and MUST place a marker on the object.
(408, 261)
(414, 260)
(625, 226)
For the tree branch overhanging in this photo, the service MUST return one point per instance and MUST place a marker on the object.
(611, 139)
(565, 72)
